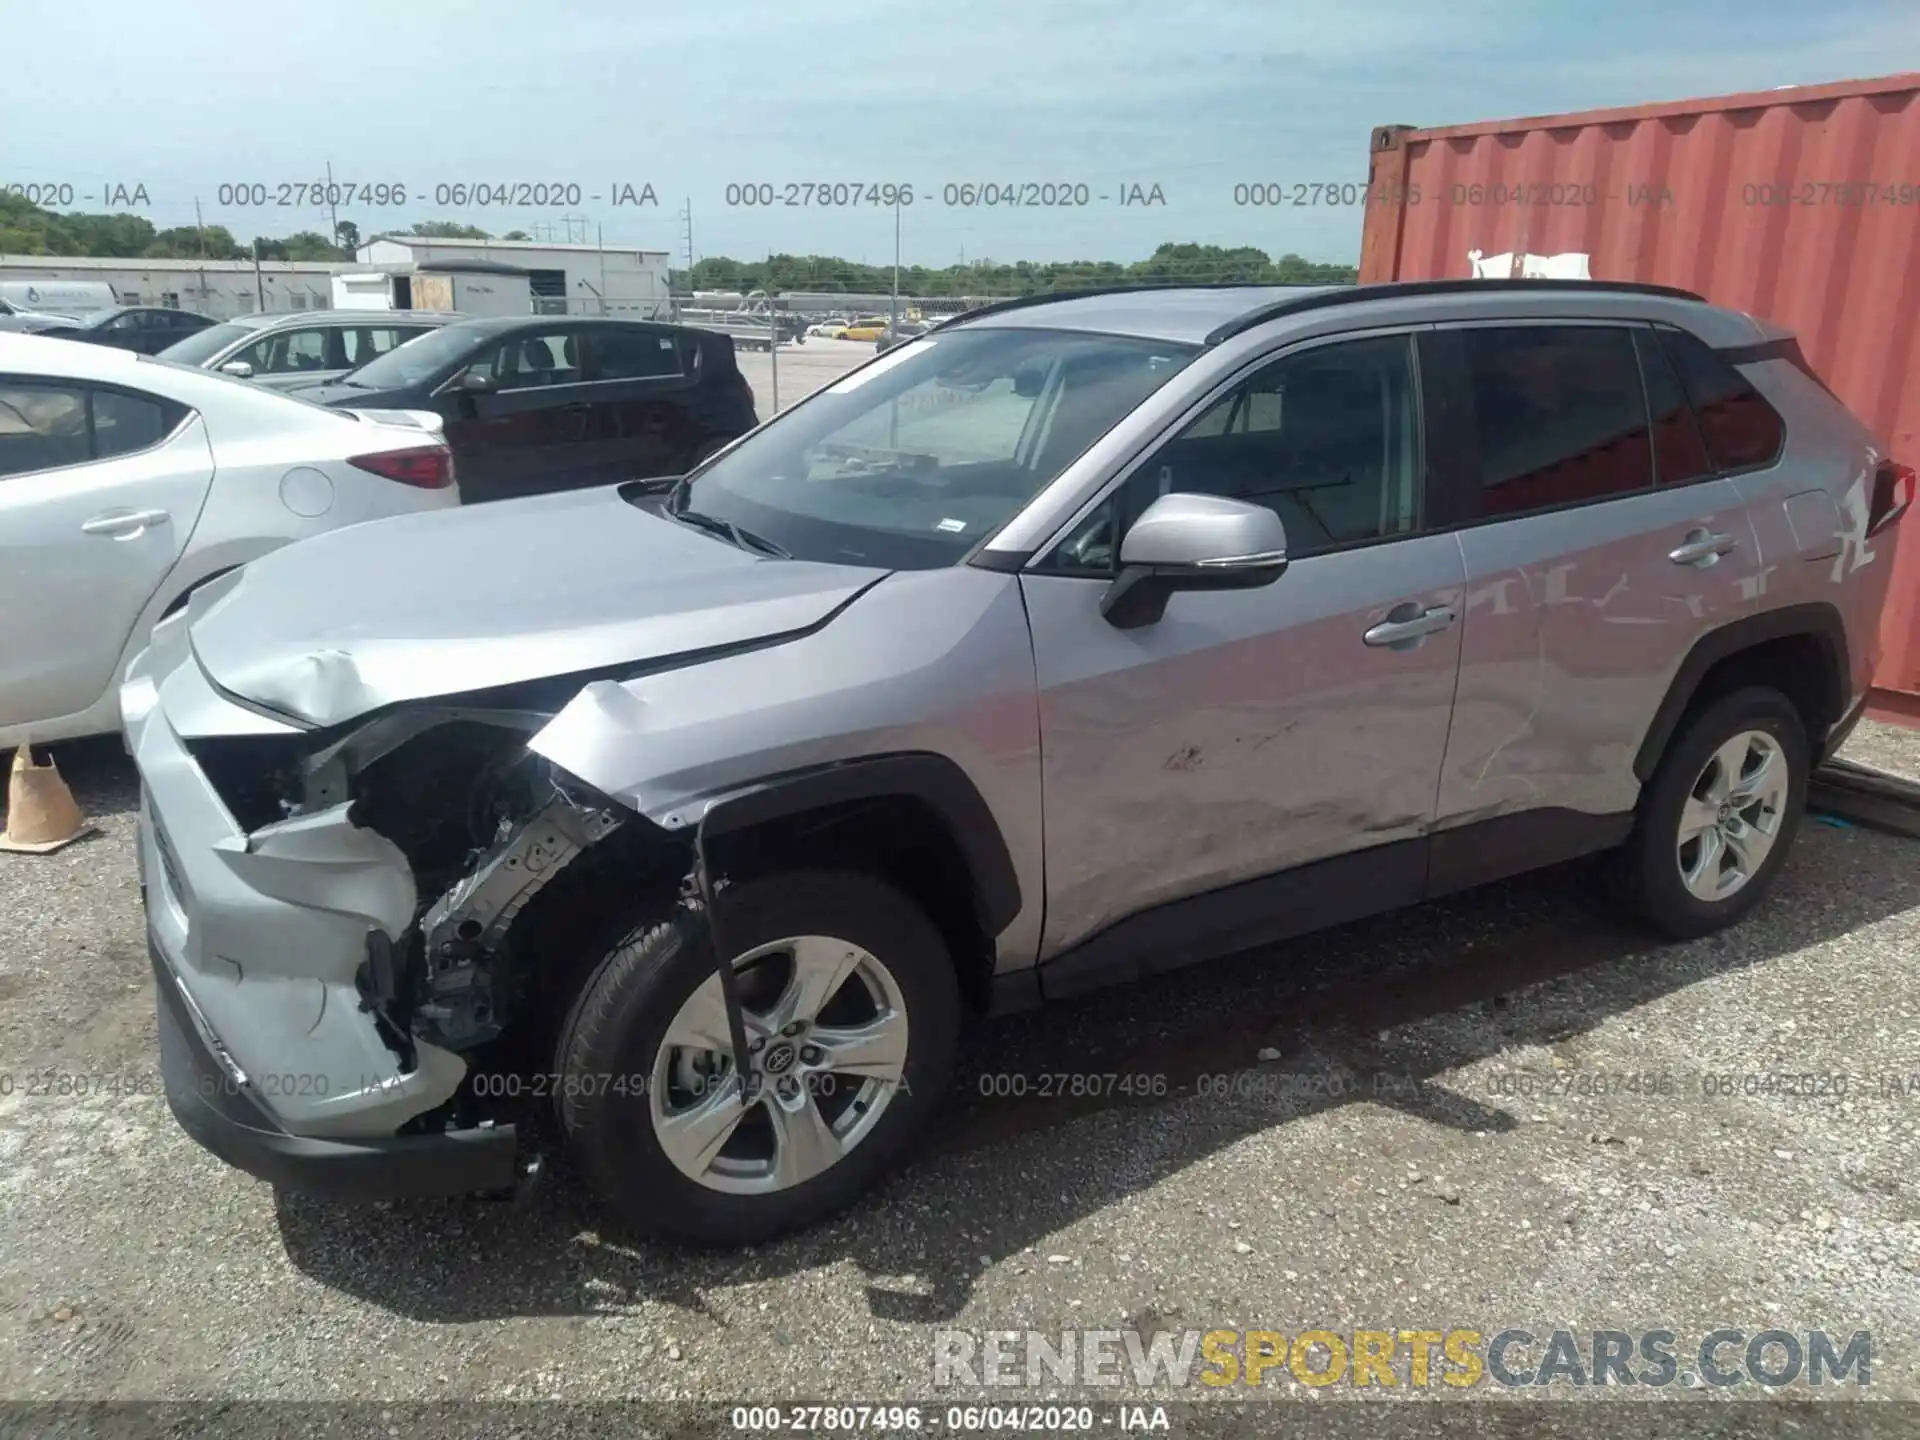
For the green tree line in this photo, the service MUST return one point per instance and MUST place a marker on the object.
(1170, 264)
(26, 229)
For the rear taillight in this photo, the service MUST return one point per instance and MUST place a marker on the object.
(429, 467)
(1893, 487)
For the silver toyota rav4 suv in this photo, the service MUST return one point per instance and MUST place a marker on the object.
(683, 823)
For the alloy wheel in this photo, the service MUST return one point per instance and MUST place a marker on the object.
(1732, 816)
(827, 1038)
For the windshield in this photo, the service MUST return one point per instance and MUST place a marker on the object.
(203, 345)
(909, 462)
(418, 359)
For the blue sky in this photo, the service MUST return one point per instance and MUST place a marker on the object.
(1191, 95)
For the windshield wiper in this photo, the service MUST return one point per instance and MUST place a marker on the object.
(727, 530)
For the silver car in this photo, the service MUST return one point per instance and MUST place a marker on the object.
(304, 347)
(125, 482)
(1081, 638)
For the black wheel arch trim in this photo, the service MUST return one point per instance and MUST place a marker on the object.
(1818, 620)
(920, 775)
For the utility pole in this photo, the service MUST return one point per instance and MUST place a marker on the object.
(600, 233)
(333, 210)
(773, 338)
(201, 226)
(893, 315)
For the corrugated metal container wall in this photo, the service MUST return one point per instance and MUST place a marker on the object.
(1801, 205)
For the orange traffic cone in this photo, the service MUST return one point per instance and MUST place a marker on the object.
(41, 813)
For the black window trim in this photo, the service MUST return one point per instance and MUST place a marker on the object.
(186, 413)
(1464, 458)
(1735, 357)
(1040, 561)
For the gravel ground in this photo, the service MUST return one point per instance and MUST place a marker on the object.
(132, 1265)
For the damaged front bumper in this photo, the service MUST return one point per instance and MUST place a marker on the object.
(223, 1115)
(271, 1058)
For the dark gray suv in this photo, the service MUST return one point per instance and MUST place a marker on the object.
(1083, 637)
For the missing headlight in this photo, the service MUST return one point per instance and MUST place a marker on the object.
(257, 777)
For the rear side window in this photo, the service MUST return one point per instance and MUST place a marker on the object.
(1679, 454)
(635, 354)
(47, 424)
(1743, 432)
(1559, 415)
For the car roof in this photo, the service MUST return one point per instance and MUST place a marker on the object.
(281, 319)
(1207, 314)
(501, 324)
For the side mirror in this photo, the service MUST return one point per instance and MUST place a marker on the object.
(239, 369)
(1192, 542)
(478, 382)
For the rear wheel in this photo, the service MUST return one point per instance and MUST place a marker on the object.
(851, 1009)
(1719, 814)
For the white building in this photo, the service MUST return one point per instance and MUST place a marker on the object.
(220, 288)
(565, 279)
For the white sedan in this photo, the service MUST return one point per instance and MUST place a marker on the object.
(126, 481)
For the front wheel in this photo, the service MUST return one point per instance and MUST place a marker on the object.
(851, 1008)
(1719, 814)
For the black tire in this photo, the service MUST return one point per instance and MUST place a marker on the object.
(1653, 883)
(620, 1019)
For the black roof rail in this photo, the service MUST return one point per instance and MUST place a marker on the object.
(1402, 289)
(1048, 297)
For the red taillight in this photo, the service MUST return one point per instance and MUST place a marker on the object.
(430, 467)
(1893, 487)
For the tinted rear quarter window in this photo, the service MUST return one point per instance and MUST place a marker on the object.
(1559, 413)
(1743, 432)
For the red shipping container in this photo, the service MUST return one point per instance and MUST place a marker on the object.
(1799, 205)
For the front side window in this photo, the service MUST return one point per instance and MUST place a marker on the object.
(909, 462)
(288, 352)
(47, 424)
(526, 361)
(1328, 439)
(1559, 416)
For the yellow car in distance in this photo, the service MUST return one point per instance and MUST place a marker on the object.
(868, 329)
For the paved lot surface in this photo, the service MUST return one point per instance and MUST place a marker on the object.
(803, 369)
(1438, 1189)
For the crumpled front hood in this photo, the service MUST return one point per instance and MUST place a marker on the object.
(455, 600)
